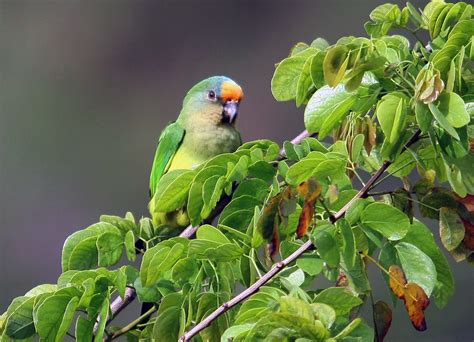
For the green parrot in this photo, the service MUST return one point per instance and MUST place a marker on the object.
(204, 128)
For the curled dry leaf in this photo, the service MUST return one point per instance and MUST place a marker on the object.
(310, 191)
(428, 85)
(415, 299)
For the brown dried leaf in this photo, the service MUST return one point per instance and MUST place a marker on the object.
(310, 190)
(414, 297)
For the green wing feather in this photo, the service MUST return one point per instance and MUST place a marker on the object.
(168, 144)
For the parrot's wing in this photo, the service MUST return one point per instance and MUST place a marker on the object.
(168, 144)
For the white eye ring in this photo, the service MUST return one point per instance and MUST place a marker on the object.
(211, 95)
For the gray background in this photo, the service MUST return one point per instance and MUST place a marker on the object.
(86, 87)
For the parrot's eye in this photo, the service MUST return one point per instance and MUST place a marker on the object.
(211, 95)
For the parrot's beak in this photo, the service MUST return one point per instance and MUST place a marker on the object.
(230, 111)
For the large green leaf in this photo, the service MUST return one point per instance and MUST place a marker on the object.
(453, 108)
(326, 244)
(50, 316)
(286, 76)
(451, 228)
(421, 236)
(324, 103)
(19, 324)
(110, 248)
(418, 267)
(460, 35)
(340, 299)
(172, 190)
(385, 219)
(85, 255)
(166, 327)
(162, 261)
(304, 169)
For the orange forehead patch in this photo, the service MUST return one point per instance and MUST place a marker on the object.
(231, 91)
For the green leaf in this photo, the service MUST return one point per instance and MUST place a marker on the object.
(320, 44)
(335, 64)
(336, 116)
(123, 224)
(355, 210)
(258, 304)
(172, 190)
(163, 260)
(104, 311)
(85, 255)
(421, 236)
(19, 324)
(84, 329)
(324, 313)
(211, 192)
(148, 294)
(418, 267)
(451, 228)
(304, 83)
(326, 244)
(262, 170)
(49, 316)
(310, 264)
(130, 246)
(317, 72)
(298, 47)
(324, 103)
(195, 203)
(387, 220)
(423, 116)
(304, 169)
(357, 145)
(71, 242)
(414, 15)
(285, 79)
(110, 248)
(185, 270)
(340, 299)
(40, 289)
(67, 319)
(441, 119)
(460, 35)
(453, 108)
(208, 232)
(166, 327)
(349, 254)
(239, 212)
(392, 113)
(236, 331)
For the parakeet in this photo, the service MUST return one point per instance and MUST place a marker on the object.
(205, 128)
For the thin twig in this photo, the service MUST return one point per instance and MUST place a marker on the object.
(282, 264)
(131, 325)
(119, 304)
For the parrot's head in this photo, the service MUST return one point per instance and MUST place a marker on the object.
(214, 100)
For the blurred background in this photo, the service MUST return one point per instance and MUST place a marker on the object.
(87, 86)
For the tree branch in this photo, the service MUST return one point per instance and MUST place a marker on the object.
(282, 264)
(120, 303)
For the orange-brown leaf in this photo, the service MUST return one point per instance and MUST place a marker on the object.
(416, 301)
(311, 191)
(414, 297)
(306, 217)
(397, 281)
